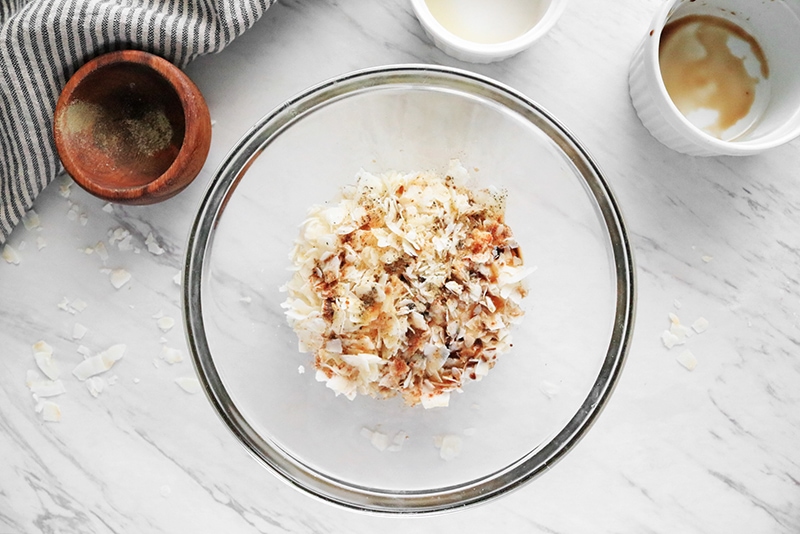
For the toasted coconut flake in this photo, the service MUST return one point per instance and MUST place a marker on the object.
(50, 411)
(402, 276)
(152, 245)
(78, 331)
(687, 359)
(43, 355)
(450, 447)
(10, 255)
(31, 220)
(99, 363)
(43, 388)
(700, 325)
(170, 355)
(96, 385)
(119, 277)
(165, 323)
(189, 384)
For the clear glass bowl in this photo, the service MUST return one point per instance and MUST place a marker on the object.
(539, 399)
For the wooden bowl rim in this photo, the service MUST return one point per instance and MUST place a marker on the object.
(195, 144)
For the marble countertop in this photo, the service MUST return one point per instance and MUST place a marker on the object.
(709, 450)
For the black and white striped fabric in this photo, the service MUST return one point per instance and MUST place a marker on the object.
(43, 42)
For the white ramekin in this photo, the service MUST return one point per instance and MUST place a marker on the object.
(776, 27)
(472, 52)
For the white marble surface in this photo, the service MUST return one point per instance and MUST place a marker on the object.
(711, 450)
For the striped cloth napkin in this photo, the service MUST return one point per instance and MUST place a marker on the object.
(43, 42)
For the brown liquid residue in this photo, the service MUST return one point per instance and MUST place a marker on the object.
(701, 72)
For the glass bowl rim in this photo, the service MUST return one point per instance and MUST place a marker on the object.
(293, 470)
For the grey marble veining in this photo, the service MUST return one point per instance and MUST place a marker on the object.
(711, 450)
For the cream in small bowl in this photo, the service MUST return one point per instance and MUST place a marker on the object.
(483, 31)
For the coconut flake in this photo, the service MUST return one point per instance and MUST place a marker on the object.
(64, 189)
(43, 388)
(177, 278)
(152, 245)
(549, 389)
(450, 447)
(301, 369)
(43, 355)
(10, 255)
(50, 411)
(108, 208)
(189, 384)
(170, 355)
(78, 305)
(84, 351)
(119, 277)
(707, 259)
(700, 325)
(398, 441)
(40, 243)
(165, 323)
(31, 220)
(687, 359)
(99, 363)
(101, 250)
(78, 331)
(96, 385)
(435, 401)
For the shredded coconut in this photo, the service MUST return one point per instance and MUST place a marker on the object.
(408, 285)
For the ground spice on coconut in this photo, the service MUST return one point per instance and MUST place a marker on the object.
(120, 136)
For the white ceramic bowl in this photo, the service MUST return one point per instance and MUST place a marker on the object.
(539, 399)
(477, 52)
(775, 26)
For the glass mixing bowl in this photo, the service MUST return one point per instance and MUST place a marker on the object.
(538, 400)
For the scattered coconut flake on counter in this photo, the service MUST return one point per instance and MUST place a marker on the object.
(31, 220)
(42, 388)
(99, 363)
(119, 277)
(177, 278)
(101, 250)
(108, 208)
(40, 243)
(189, 384)
(707, 259)
(78, 331)
(84, 351)
(10, 255)
(396, 281)
(687, 359)
(382, 442)
(165, 323)
(152, 245)
(170, 355)
(50, 411)
(64, 189)
(246, 300)
(96, 385)
(549, 389)
(700, 325)
(43, 355)
(449, 446)
(301, 369)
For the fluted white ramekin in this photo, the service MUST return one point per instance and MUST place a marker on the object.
(776, 26)
(472, 52)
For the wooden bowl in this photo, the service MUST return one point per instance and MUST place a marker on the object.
(132, 128)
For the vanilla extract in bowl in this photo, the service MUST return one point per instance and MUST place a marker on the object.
(716, 74)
